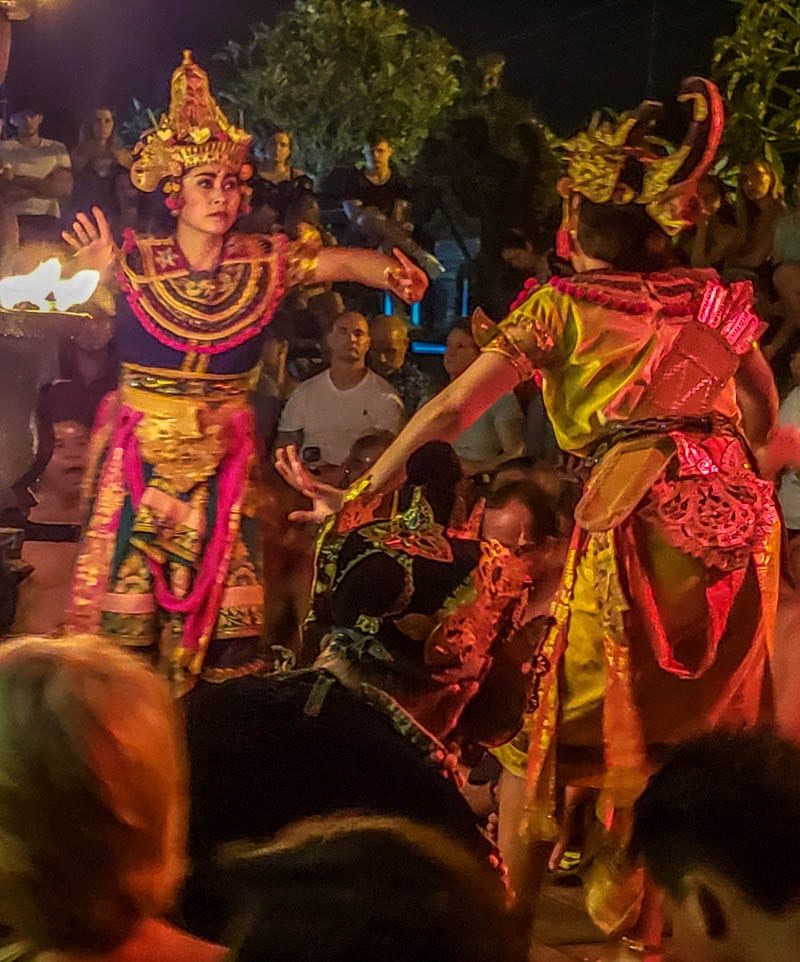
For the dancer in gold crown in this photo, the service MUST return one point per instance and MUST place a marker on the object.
(170, 560)
(665, 611)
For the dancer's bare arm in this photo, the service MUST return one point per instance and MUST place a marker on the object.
(397, 274)
(443, 418)
(446, 415)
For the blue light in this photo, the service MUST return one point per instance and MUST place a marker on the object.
(426, 347)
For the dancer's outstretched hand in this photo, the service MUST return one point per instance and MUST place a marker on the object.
(326, 500)
(407, 281)
(92, 241)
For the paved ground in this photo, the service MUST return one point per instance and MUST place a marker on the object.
(564, 933)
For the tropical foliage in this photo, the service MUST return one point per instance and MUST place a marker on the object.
(333, 71)
(758, 71)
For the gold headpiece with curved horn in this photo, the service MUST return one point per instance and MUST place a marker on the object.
(620, 163)
(194, 132)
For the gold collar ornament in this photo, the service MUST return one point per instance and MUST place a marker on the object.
(622, 163)
(194, 132)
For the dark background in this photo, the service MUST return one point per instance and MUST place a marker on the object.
(565, 56)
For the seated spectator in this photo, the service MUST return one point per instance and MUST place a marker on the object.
(388, 357)
(786, 255)
(93, 808)
(304, 216)
(56, 514)
(36, 178)
(710, 241)
(363, 889)
(759, 206)
(364, 453)
(516, 250)
(89, 365)
(99, 165)
(377, 184)
(519, 516)
(327, 414)
(275, 383)
(276, 184)
(497, 435)
(717, 830)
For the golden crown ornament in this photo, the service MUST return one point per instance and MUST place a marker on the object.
(620, 163)
(193, 133)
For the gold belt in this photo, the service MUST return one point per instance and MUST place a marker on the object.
(183, 433)
(160, 383)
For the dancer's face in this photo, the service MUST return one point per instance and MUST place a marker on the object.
(211, 197)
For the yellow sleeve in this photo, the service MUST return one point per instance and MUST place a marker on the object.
(528, 336)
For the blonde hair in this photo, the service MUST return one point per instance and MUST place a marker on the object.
(93, 789)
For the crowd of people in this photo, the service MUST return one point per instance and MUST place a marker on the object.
(531, 619)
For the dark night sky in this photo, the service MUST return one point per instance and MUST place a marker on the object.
(565, 56)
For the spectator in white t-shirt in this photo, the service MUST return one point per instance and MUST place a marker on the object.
(327, 414)
(497, 436)
(36, 176)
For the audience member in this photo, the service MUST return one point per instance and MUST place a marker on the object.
(711, 240)
(89, 365)
(497, 435)
(759, 206)
(275, 383)
(518, 515)
(37, 178)
(717, 830)
(304, 219)
(364, 453)
(362, 889)
(786, 255)
(56, 515)
(377, 184)
(327, 414)
(388, 357)
(516, 250)
(99, 165)
(276, 184)
(93, 807)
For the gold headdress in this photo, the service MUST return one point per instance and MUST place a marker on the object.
(194, 132)
(621, 163)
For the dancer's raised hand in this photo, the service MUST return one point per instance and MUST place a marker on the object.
(92, 241)
(326, 500)
(407, 281)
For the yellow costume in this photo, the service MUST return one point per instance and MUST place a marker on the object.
(665, 610)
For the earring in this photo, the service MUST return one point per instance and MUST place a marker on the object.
(564, 246)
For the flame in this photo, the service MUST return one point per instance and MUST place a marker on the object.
(46, 289)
